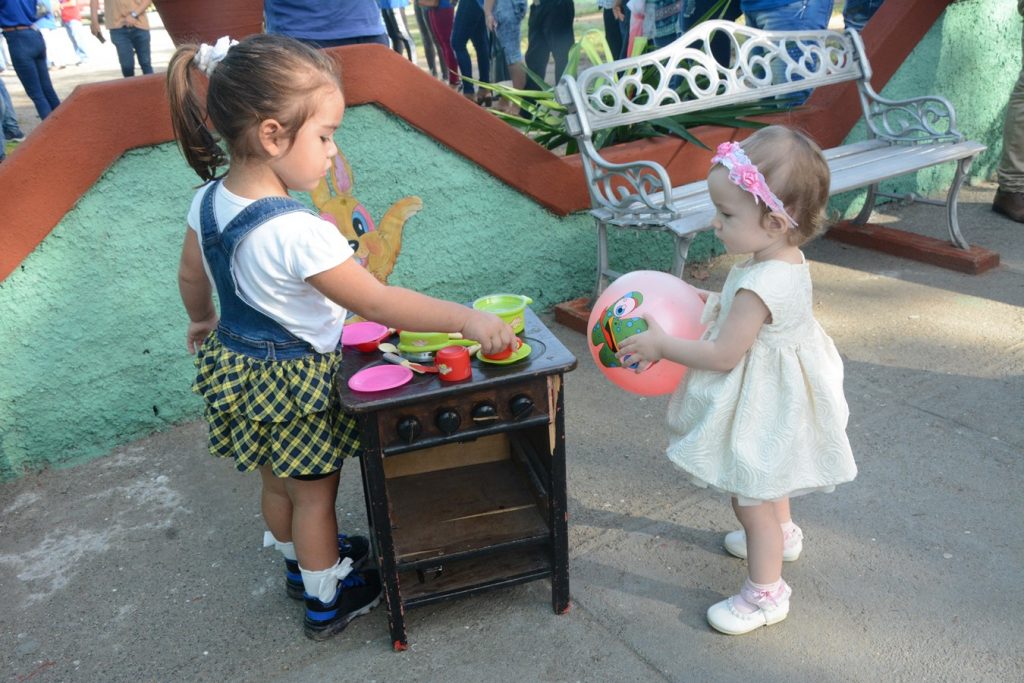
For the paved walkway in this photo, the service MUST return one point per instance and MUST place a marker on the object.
(146, 564)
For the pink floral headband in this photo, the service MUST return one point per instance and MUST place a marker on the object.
(745, 175)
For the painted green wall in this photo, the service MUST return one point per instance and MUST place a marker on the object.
(93, 330)
(972, 57)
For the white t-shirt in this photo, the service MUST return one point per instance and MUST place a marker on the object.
(272, 262)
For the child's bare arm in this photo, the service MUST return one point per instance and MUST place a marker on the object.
(196, 292)
(352, 286)
(746, 316)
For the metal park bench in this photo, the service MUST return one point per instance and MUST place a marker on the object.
(904, 135)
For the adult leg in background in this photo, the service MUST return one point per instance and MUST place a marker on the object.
(1009, 199)
(141, 41)
(28, 54)
(441, 21)
(11, 128)
(429, 42)
(469, 26)
(549, 35)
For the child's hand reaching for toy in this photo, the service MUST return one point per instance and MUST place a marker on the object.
(492, 332)
(641, 350)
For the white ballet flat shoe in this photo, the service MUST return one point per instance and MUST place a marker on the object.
(792, 544)
(725, 618)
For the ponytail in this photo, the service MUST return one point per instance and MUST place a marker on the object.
(197, 143)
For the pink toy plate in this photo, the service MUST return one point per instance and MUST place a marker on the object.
(380, 378)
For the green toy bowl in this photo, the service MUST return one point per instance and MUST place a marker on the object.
(508, 307)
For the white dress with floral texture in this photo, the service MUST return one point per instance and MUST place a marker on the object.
(775, 425)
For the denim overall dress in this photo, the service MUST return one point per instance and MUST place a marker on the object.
(269, 395)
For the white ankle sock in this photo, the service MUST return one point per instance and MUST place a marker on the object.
(286, 549)
(788, 528)
(323, 584)
(747, 602)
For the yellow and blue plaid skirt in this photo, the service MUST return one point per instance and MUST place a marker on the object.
(284, 413)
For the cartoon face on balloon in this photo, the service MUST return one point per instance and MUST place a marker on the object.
(613, 326)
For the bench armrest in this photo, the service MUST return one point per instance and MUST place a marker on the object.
(622, 188)
(919, 119)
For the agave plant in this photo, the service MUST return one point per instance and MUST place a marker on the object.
(541, 117)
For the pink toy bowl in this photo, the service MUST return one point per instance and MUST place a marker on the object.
(363, 336)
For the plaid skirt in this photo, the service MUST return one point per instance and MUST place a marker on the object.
(285, 414)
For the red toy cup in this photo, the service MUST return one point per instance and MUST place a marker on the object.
(453, 363)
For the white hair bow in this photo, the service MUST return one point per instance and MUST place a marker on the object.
(209, 56)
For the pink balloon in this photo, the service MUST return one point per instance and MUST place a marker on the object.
(618, 313)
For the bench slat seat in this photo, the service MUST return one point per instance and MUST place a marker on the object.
(905, 136)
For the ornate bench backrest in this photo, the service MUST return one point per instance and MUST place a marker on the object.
(683, 76)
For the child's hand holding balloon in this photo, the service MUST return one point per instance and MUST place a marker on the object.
(642, 350)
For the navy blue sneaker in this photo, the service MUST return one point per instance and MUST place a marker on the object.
(358, 593)
(355, 547)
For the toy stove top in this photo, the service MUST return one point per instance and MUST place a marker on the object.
(427, 411)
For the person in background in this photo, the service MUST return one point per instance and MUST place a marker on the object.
(442, 19)
(393, 13)
(471, 26)
(549, 36)
(1009, 199)
(430, 47)
(616, 29)
(71, 17)
(129, 32)
(857, 12)
(11, 127)
(58, 50)
(695, 11)
(28, 53)
(788, 15)
(504, 19)
(327, 23)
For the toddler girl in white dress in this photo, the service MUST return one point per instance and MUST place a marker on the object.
(760, 413)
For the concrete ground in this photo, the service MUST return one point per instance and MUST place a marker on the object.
(146, 564)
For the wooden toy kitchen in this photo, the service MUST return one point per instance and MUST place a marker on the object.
(465, 482)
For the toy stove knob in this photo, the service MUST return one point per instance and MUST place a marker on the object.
(484, 413)
(521, 406)
(448, 421)
(409, 429)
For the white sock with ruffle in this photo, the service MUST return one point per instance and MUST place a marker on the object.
(323, 584)
(286, 549)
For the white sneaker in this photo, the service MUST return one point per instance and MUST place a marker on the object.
(792, 544)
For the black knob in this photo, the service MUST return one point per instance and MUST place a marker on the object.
(448, 421)
(521, 406)
(484, 412)
(409, 429)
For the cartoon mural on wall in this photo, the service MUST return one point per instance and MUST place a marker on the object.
(376, 245)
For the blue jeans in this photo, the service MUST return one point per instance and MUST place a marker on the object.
(10, 120)
(74, 29)
(857, 12)
(131, 41)
(470, 26)
(800, 15)
(28, 54)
